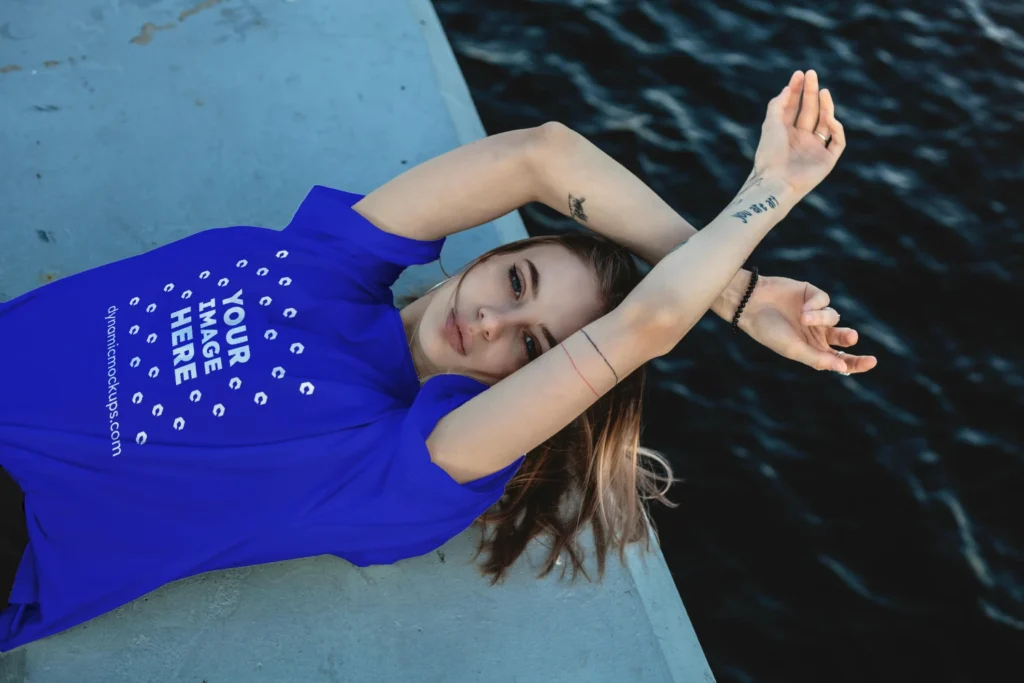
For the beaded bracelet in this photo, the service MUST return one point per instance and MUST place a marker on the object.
(746, 297)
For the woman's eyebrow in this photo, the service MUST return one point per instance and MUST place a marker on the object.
(535, 289)
(534, 279)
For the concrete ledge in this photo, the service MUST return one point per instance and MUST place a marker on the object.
(133, 124)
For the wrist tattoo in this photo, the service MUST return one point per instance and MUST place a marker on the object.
(576, 208)
(757, 207)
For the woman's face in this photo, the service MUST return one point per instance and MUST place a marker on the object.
(509, 310)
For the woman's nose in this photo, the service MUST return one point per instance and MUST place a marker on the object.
(491, 322)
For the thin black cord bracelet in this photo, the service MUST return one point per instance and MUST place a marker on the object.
(746, 297)
(601, 354)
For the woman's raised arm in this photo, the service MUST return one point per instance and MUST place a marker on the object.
(493, 429)
(460, 189)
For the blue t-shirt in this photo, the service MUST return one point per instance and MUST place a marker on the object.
(240, 396)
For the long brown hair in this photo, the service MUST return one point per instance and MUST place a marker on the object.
(594, 471)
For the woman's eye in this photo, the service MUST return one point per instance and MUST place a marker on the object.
(531, 347)
(517, 287)
(517, 290)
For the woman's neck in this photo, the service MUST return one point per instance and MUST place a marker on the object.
(412, 316)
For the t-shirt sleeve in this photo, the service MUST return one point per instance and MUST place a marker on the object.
(417, 507)
(366, 255)
(429, 484)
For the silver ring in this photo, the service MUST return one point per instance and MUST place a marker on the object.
(840, 354)
(824, 139)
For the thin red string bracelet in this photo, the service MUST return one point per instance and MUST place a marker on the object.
(578, 370)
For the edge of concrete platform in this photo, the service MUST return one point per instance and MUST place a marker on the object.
(654, 585)
(458, 100)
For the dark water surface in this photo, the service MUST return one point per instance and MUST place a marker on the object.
(831, 528)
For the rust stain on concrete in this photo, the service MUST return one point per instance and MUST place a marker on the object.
(146, 34)
(206, 4)
(148, 29)
(48, 277)
(9, 68)
(50, 63)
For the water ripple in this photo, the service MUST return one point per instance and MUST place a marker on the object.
(809, 16)
(968, 545)
(882, 334)
(494, 54)
(1003, 35)
(997, 614)
(852, 581)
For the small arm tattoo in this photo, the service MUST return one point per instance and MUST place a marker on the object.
(576, 208)
(757, 207)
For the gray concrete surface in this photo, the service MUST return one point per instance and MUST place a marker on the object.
(127, 124)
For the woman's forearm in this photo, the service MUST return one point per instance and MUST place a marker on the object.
(579, 180)
(683, 285)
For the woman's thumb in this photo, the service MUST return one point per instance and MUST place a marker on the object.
(777, 104)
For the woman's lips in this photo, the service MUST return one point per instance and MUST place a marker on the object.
(454, 334)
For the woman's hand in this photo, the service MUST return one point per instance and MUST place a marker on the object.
(794, 320)
(801, 140)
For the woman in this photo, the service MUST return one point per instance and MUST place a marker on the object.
(247, 395)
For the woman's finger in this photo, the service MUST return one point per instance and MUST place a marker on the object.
(828, 118)
(824, 115)
(823, 360)
(789, 112)
(814, 298)
(826, 107)
(824, 317)
(841, 336)
(856, 364)
(777, 105)
(807, 119)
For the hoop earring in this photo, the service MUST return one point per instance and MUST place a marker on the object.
(437, 285)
